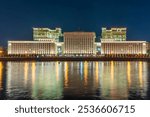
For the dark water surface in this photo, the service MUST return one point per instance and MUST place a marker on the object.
(75, 80)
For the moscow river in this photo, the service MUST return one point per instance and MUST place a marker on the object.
(110, 80)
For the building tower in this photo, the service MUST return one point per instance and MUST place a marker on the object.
(46, 34)
(79, 43)
(114, 34)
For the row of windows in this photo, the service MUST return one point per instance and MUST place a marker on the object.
(127, 52)
(79, 40)
(19, 49)
(32, 53)
(31, 44)
(90, 52)
(113, 51)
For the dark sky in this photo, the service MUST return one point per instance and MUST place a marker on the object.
(17, 17)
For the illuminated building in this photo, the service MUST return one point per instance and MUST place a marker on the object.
(114, 34)
(59, 46)
(123, 47)
(98, 47)
(46, 42)
(46, 34)
(148, 47)
(31, 48)
(2, 51)
(79, 43)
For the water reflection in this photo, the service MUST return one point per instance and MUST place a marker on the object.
(96, 74)
(47, 83)
(140, 74)
(75, 80)
(57, 71)
(85, 73)
(33, 73)
(66, 74)
(81, 70)
(129, 73)
(1, 75)
(112, 70)
(26, 73)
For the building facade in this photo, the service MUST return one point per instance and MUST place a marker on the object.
(31, 48)
(98, 48)
(123, 47)
(2, 51)
(79, 43)
(60, 48)
(148, 47)
(46, 34)
(114, 34)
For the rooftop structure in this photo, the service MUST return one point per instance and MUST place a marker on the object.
(46, 34)
(114, 34)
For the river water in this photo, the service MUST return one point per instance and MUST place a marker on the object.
(112, 80)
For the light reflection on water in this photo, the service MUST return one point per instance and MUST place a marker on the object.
(1, 74)
(75, 80)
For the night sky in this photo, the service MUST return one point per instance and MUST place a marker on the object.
(17, 17)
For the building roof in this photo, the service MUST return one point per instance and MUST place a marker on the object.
(30, 42)
(123, 42)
